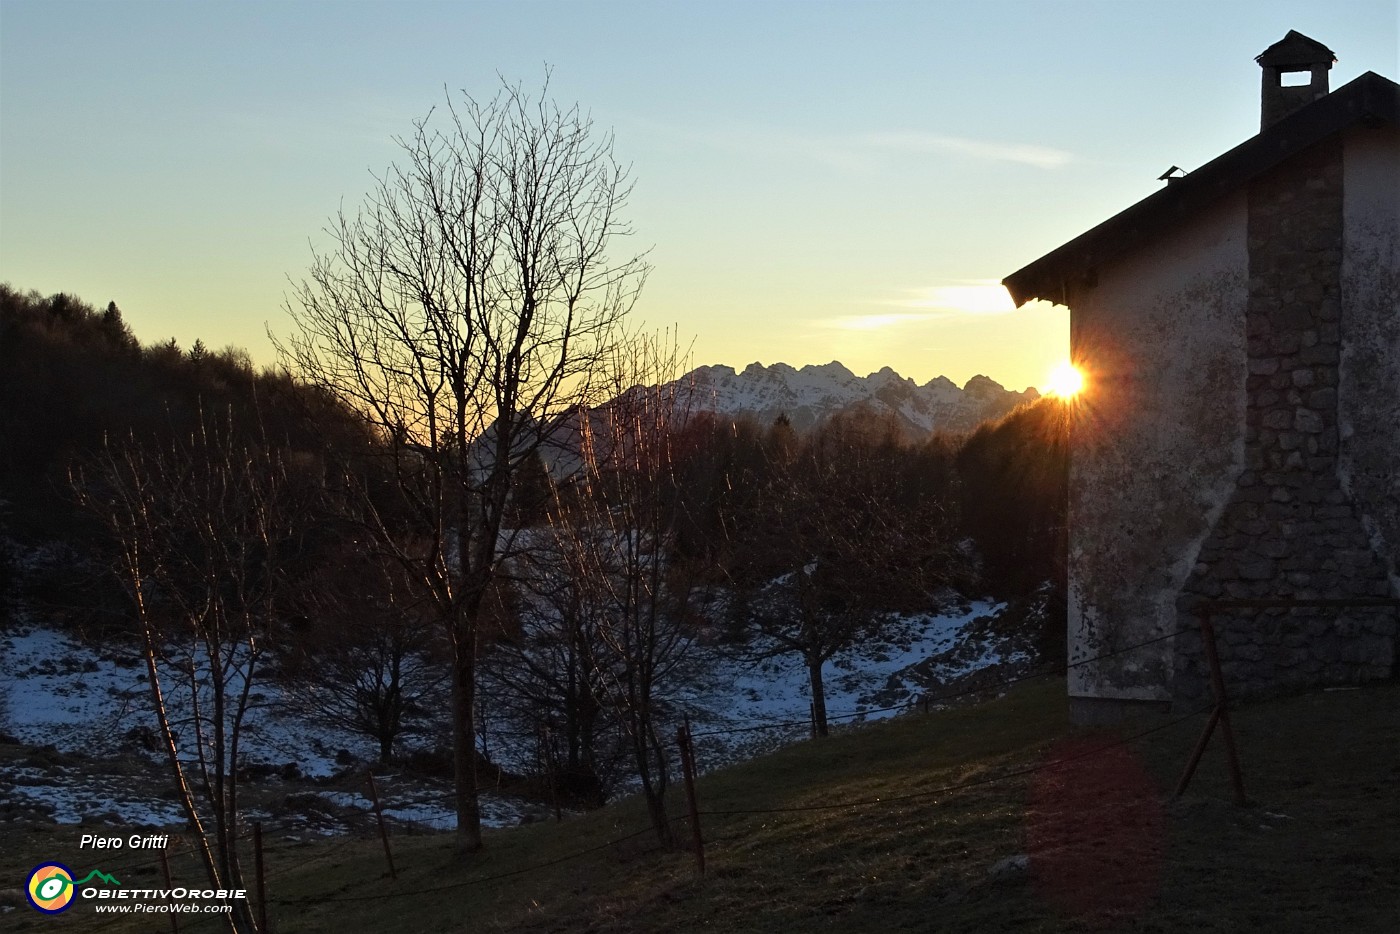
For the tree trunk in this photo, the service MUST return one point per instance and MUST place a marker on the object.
(464, 739)
(656, 810)
(814, 673)
(653, 783)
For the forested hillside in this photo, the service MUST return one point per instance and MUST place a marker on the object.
(75, 381)
(73, 377)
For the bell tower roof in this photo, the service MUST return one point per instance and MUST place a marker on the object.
(1294, 53)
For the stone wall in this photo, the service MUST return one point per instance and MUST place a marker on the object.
(1290, 528)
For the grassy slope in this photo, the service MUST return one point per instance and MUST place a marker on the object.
(1318, 849)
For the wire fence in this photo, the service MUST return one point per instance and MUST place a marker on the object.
(286, 872)
(447, 799)
(188, 847)
(926, 701)
(841, 805)
(846, 804)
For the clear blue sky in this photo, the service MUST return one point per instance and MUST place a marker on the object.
(817, 181)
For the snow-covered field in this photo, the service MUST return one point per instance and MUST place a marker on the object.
(91, 705)
(61, 692)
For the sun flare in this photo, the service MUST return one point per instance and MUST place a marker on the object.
(1066, 381)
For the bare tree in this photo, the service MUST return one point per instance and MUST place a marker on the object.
(468, 302)
(367, 660)
(840, 542)
(549, 677)
(204, 531)
(622, 524)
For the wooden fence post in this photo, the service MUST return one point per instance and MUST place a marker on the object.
(688, 771)
(169, 884)
(1223, 702)
(1219, 716)
(379, 816)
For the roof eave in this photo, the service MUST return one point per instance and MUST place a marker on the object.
(1369, 99)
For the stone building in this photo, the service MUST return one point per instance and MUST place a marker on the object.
(1239, 435)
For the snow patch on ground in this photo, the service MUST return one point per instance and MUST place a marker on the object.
(72, 796)
(747, 707)
(59, 691)
(89, 702)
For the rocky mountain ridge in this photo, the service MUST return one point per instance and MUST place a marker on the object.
(812, 393)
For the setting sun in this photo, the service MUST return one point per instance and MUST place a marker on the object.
(1066, 381)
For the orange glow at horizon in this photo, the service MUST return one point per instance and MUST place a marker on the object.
(1066, 381)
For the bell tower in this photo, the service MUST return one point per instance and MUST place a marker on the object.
(1293, 55)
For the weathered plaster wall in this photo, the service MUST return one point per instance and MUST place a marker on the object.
(1158, 442)
(1370, 354)
(1291, 529)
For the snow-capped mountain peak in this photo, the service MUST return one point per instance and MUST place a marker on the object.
(816, 392)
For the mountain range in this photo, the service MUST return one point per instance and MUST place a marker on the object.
(813, 393)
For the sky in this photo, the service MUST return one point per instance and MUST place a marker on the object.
(815, 181)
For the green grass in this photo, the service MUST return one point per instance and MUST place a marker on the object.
(1317, 849)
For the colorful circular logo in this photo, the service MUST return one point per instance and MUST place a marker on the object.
(50, 888)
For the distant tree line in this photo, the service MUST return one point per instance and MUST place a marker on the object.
(1015, 507)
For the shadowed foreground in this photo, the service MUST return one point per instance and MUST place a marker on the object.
(861, 833)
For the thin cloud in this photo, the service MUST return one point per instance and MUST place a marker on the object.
(966, 296)
(950, 299)
(864, 151)
(1042, 157)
